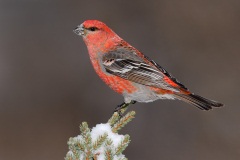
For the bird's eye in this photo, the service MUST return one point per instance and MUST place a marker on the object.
(93, 28)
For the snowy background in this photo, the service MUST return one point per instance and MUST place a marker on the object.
(48, 86)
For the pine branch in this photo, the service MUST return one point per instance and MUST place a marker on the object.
(114, 118)
(123, 121)
(122, 146)
(101, 142)
(108, 151)
(87, 140)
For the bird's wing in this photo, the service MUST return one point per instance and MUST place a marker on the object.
(165, 72)
(126, 64)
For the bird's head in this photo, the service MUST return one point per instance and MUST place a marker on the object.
(96, 33)
(94, 30)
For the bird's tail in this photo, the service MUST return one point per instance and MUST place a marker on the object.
(198, 101)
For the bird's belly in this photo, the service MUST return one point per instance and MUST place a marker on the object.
(118, 84)
(142, 94)
(132, 91)
(147, 94)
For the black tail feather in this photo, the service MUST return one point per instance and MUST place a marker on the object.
(198, 101)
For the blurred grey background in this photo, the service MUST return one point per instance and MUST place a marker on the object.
(48, 86)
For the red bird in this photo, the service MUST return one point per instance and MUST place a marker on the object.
(129, 72)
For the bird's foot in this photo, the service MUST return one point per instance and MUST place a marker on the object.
(120, 109)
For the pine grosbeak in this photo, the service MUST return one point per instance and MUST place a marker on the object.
(129, 72)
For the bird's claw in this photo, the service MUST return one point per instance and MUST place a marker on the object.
(119, 108)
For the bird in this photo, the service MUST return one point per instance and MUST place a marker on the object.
(130, 73)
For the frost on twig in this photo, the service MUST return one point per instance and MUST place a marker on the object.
(102, 142)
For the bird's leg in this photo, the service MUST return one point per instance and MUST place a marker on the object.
(122, 107)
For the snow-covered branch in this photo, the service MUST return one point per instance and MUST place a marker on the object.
(102, 142)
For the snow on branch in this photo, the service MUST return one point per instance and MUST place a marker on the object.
(102, 142)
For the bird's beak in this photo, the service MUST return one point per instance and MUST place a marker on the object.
(79, 30)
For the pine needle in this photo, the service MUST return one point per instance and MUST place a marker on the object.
(123, 121)
(99, 141)
(122, 146)
(113, 119)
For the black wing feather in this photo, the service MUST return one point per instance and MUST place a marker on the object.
(166, 73)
